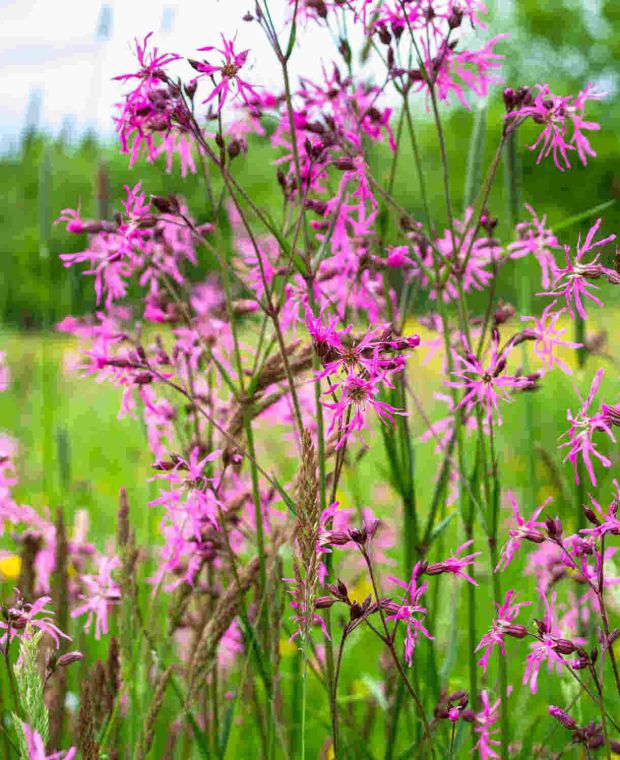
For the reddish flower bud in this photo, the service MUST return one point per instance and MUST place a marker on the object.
(562, 717)
(323, 602)
(69, 658)
(515, 630)
(344, 163)
(564, 646)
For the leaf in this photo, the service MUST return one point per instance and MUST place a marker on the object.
(226, 727)
(286, 498)
(440, 527)
(292, 37)
(576, 218)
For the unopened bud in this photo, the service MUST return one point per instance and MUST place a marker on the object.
(236, 146)
(564, 646)
(579, 663)
(455, 19)
(345, 51)
(69, 658)
(515, 630)
(344, 163)
(562, 717)
(169, 205)
(323, 602)
(384, 35)
(554, 528)
(503, 313)
(591, 516)
(355, 611)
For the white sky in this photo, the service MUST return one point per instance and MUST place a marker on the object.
(49, 52)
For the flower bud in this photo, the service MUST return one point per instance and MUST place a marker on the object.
(562, 717)
(579, 663)
(564, 646)
(515, 630)
(355, 611)
(323, 602)
(455, 19)
(503, 313)
(69, 658)
(237, 146)
(144, 378)
(345, 51)
(320, 207)
(169, 205)
(344, 163)
(384, 35)
(590, 516)
(554, 528)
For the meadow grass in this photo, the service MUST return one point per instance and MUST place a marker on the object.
(74, 452)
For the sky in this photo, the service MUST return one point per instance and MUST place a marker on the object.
(58, 57)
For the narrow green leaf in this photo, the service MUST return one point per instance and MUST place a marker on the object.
(440, 527)
(576, 218)
(287, 499)
(226, 727)
(291, 39)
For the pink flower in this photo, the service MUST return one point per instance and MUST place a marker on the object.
(536, 240)
(152, 107)
(455, 564)
(572, 282)
(549, 647)
(606, 522)
(529, 530)
(229, 75)
(547, 337)
(356, 395)
(101, 593)
(485, 382)
(557, 114)
(192, 502)
(410, 611)
(463, 258)
(502, 626)
(22, 618)
(483, 726)
(36, 747)
(581, 432)
(453, 71)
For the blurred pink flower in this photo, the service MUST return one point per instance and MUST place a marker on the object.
(101, 593)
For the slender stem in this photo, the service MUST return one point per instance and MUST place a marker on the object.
(11, 675)
(602, 710)
(334, 692)
(389, 642)
(451, 750)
